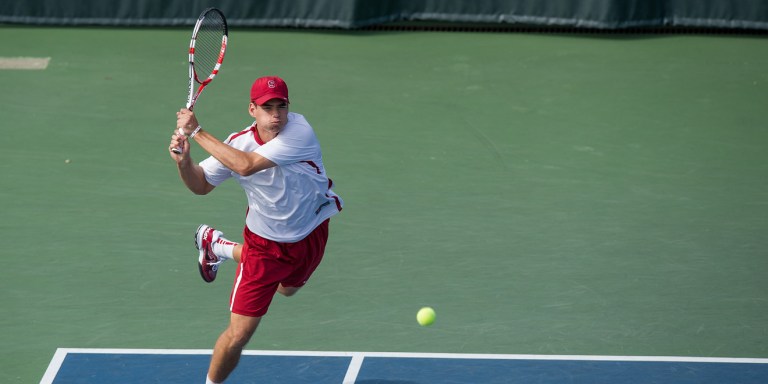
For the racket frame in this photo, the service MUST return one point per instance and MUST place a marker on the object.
(194, 79)
(193, 75)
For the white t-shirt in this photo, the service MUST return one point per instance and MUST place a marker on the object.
(286, 202)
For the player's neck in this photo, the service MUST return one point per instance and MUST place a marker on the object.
(266, 135)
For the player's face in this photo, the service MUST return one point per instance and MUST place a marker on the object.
(271, 116)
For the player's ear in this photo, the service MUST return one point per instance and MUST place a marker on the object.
(252, 109)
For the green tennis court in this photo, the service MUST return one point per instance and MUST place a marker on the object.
(546, 194)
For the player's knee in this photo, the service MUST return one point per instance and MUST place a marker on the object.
(239, 334)
(239, 338)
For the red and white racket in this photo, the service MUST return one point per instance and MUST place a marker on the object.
(206, 53)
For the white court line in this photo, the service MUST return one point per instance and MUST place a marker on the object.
(357, 357)
(354, 368)
(24, 62)
(54, 366)
(692, 359)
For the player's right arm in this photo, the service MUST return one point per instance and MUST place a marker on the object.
(191, 173)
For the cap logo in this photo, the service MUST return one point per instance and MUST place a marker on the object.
(271, 84)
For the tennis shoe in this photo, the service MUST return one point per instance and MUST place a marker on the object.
(207, 261)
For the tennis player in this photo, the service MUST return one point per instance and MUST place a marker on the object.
(278, 163)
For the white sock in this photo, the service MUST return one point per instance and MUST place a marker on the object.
(224, 248)
(209, 381)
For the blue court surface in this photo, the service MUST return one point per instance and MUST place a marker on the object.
(90, 366)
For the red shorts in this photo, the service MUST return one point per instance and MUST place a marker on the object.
(265, 264)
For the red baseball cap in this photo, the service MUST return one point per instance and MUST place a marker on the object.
(267, 88)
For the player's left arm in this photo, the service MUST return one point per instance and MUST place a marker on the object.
(240, 162)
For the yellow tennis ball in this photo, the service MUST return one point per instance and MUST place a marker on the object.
(425, 316)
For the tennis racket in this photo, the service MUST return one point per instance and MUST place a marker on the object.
(206, 53)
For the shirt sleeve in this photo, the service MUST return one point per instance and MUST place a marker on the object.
(215, 172)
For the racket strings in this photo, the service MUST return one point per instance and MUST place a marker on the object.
(208, 44)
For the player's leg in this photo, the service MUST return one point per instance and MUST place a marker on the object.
(254, 286)
(237, 251)
(287, 291)
(229, 346)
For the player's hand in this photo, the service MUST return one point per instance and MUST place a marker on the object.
(178, 141)
(186, 121)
